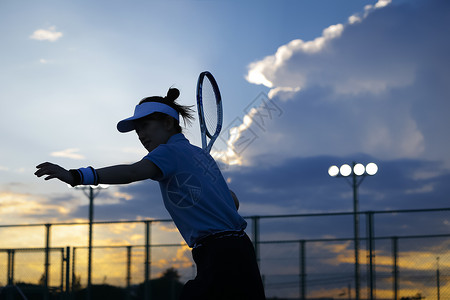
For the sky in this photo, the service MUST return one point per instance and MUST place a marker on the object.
(305, 84)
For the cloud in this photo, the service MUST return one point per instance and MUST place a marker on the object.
(271, 69)
(140, 200)
(123, 195)
(23, 206)
(263, 72)
(293, 186)
(377, 85)
(68, 153)
(302, 185)
(179, 260)
(44, 61)
(49, 34)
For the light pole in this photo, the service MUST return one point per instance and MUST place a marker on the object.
(89, 192)
(357, 172)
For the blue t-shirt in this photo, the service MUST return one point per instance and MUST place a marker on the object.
(194, 191)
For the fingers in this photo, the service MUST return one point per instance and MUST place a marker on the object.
(39, 172)
(41, 169)
(49, 177)
(53, 171)
(46, 169)
(45, 164)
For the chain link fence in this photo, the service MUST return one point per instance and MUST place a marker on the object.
(37, 272)
(402, 255)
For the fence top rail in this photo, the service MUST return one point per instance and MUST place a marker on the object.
(352, 238)
(295, 241)
(132, 246)
(246, 217)
(86, 223)
(31, 249)
(398, 211)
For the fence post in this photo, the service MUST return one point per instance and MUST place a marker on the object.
(61, 283)
(395, 265)
(255, 221)
(73, 270)
(128, 271)
(147, 287)
(47, 259)
(302, 260)
(11, 253)
(67, 259)
(371, 255)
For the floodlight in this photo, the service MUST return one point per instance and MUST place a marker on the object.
(358, 169)
(371, 168)
(345, 170)
(333, 171)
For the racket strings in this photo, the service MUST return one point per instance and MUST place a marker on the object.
(209, 107)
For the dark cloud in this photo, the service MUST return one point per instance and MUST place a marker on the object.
(145, 202)
(302, 185)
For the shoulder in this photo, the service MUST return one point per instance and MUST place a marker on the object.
(175, 141)
(178, 142)
(177, 138)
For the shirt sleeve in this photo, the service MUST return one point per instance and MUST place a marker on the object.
(161, 156)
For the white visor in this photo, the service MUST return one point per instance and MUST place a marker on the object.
(143, 110)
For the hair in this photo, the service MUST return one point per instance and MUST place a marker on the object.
(170, 99)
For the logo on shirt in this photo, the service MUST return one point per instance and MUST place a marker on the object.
(207, 165)
(184, 190)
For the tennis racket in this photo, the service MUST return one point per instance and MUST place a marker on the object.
(209, 106)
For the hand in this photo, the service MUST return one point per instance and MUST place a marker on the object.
(54, 171)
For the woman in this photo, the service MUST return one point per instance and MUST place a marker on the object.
(194, 193)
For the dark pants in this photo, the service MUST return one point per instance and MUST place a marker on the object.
(226, 269)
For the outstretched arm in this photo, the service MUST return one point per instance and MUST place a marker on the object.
(118, 174)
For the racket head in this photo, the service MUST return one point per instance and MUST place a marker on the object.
(209, 105)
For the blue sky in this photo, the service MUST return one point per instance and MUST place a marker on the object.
(350, 80)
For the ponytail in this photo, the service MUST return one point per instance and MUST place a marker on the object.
(172, 95)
